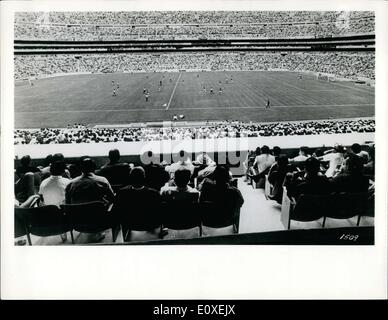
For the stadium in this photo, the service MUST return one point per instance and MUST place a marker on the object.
(244, 127)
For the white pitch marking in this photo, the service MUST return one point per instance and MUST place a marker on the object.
(173, 91)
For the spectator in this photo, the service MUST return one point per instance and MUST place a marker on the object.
(88, 187)
(53, 189)
(24, 187)
(276, 176)
(138, 204)
(155, 174)
(310, 182)
(219, 190)
(369, 168)
(302, 156)
(263, 163)
(45, 172)
(25, 166)
(336, 158)
(181, 191)
(114, 171)
(356, 149)
(204, 159)
(276, 151)
(184, 162)
(353, 180)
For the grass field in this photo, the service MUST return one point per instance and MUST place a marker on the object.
(87, 98)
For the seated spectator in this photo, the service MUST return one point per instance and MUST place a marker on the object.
(336, 158)
(276, 176)
(353, 180)
(310, 182)
(262, 164)
(53, 189)
(31, 201)
(276, 151)
(114, 171)
(45, 172)
(181, 191)
(356, 149)
(88, 187)
(155, 174)
(25, 166)
(28, 203)
(204, 159)
(248, 163)
(181, 164)
(302, 156)
(206, 172)
(24, 186)
(369, 168)
(137, 203)
(219, 189)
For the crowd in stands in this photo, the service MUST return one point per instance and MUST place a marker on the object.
(344, 65)
(226, 129)
(140, 189)
(77, 26)
(316, 171)
(130, 189)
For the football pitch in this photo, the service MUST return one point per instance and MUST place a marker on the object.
(88, 98)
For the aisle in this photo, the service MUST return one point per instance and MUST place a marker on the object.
(258, 214)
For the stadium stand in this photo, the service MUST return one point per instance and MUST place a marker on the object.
(194, 25)
(351, 65)
(82, 134)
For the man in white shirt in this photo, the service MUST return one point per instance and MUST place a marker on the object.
(204, 158)
(335, 157)
(186, 164)
(264, 161)
(302, 156)
(53, 188)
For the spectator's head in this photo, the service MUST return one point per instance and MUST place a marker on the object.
(182, 154)
(25, 161)
(137, 177)
(57, 168)
(356, 148)
(339, 148)
(304, 151)
(182, 177)
(57, 157)
(221, 175)
(258, 151)
(48, 160)
(354, 164)
(318, 153)
(276, 151)
(87, 165)
(312, 166)
(114, 156)
(265, 150)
